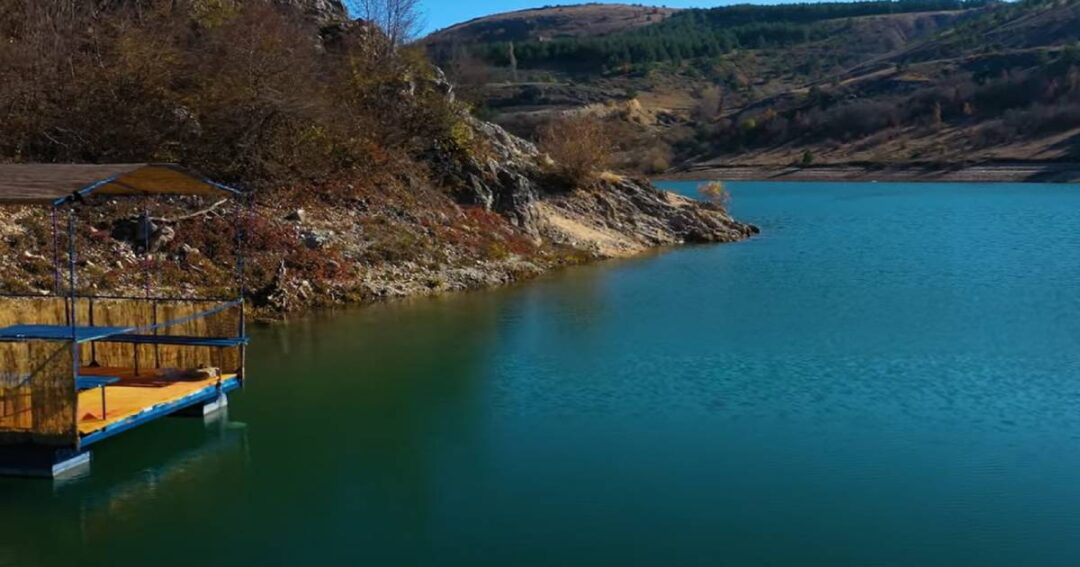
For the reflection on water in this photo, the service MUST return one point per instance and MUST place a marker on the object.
(137, 494)
(125, 484)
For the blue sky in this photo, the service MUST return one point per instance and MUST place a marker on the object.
(442, 13)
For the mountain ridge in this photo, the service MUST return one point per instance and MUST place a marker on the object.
(595, 17)
(899, 83)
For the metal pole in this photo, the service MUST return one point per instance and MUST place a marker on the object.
(157, 348)
(241, 237)
(71, 268)
(93, 345)
(244, 212)
(145, 226)
(146, 244)
(56, 253)
(75, 351)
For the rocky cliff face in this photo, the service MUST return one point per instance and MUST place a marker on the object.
(626, 216)
(322, 12)
(616, 216)
(529, 224)
(502, 222)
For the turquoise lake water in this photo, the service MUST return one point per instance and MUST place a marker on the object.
(888, 375)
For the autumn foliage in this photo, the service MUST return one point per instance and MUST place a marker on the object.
(715, 192)
(248, 90)
(254, 93)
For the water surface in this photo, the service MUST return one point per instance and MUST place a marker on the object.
(889, 374)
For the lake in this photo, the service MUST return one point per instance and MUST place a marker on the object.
(889, 374)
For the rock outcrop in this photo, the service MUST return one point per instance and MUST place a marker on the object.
(614, 216)
(321, 12)
(504, 180)
(624, 216)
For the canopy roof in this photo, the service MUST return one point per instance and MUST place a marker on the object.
(56, 184)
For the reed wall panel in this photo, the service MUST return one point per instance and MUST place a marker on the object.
(33, 311)
(141, 314)
(38, 401)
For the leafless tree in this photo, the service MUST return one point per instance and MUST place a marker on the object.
(469, 73)
(581, 147)
(710, 105)
(401, 20)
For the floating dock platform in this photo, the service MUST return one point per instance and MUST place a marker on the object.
(76, 370)
(64, 388)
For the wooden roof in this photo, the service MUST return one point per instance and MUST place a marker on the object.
(55, 184)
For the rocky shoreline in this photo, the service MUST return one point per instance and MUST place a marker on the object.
(377, 249)
(992, 172)
(535, 225)
(429, 201)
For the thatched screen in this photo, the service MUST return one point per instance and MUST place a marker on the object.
(159, 313)
(37, 393)
(151, 317)
(33, 311)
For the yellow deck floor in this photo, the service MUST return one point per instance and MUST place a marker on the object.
(130, 396)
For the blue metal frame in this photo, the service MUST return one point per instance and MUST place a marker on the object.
(176, 340)
(88, 333)
(91, 382)
(192, 317)
(159, 298)
(77, 335)
(80, 334)
(226, 188)
(208, 394)
(84, 191)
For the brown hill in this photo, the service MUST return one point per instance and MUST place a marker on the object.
(951, 84)
(552, 22)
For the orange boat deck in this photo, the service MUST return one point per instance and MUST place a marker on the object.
(132, 395)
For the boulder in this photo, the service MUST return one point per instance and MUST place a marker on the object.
(316, 239)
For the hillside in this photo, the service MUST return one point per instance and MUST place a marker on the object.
(552, 22)
(886, 83)
(1002, 86)
(368, 178)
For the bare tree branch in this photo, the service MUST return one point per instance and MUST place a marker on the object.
(401, 20)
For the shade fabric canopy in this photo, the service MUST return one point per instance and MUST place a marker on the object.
(55, 184)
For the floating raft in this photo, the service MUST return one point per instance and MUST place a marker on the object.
(133, 400)
(64, 388)
(76, 370)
